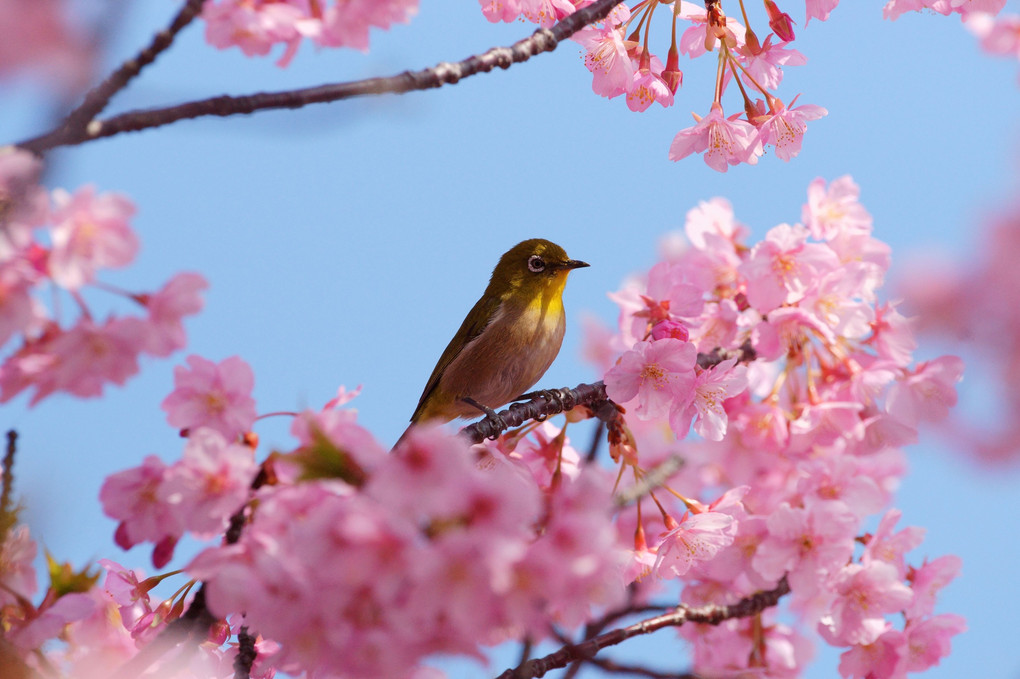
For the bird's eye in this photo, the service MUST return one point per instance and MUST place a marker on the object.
(536, 264)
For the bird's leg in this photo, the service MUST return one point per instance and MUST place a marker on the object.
(491, 415)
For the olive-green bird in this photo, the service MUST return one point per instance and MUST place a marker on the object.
(509, 338)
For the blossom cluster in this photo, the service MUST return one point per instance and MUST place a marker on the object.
(56, 240)
(86, 625)
(342, 558)
(40, 37)
(619, 54)
(256, 26)
(941, 293)
(361, 562)
(803, 388)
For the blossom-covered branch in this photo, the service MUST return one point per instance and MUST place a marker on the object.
(445, 73)
(709, 615)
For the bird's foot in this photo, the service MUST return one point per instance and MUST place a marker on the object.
(561, 397)
(491, 416)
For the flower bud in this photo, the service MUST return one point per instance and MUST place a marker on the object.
(673, 329)
(780, 22)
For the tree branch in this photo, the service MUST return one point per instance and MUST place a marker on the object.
(549, 402)
(98, 97)
(709, 615)
(542, 40)
(539, 408)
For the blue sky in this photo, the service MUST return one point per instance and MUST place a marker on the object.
(345, 242)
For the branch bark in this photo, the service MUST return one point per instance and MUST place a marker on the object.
(709, 615)
(83, 128)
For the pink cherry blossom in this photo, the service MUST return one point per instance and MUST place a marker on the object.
(695, 539)
(17, 572)
(890, 547)
(208, 394)
(819, 9)
(834, 210)
(132, 497)
(998, 35)
(928, 580)
(711, 388)
(928, 641)
(25, 203)
(928, 392)
(658, 374)
(209, 483)
(892, 334)
(20, 313)
(41, 37)
(178, 298)
(864, 593)
(766, 65)
(542, 12)
(546, 453)
(257, 26)
(88, 356)
(781, 268)
(806, 543)
(607, 58)
(90, 232)
(648, 88)
(784, 128)
(51, 620)
(577, 563)
(882, 659)
(724, 141)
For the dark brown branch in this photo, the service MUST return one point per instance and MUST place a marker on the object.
(246, 654)
(542, 40)
(592, 395)
(539, 408)
(744, 354)
(8, 472)
(98, 98)
(8, 515)
(709, 615)
(619, 668)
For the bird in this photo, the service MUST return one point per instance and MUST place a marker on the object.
(507, 341)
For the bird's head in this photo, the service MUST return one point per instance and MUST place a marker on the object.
(531, 267)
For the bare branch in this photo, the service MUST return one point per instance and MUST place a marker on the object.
(542, 40)
(709, 615)
(97, 98)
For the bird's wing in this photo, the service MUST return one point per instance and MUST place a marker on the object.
(474, 323)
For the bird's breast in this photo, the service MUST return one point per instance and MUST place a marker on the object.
(510, 355)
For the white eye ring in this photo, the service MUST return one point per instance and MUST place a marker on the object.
(536, 264)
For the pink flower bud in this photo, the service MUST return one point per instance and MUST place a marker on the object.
(673, 329)
(780, 22)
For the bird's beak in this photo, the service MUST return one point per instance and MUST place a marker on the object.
(572, 264)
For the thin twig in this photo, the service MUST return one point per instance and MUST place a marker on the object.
(6, 495)
(619, 668)
(652, 479)
(8, 513)
(710, 615)
(542, 40)
(98, 97)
